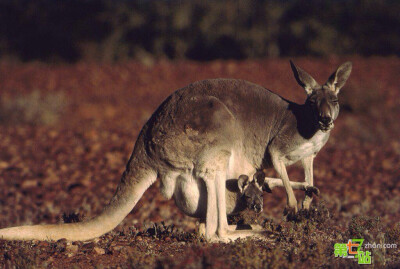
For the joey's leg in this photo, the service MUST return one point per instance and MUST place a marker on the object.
(291, 199)
(308, 172)
(271, 183)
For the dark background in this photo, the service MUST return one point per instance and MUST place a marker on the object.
(108, 31)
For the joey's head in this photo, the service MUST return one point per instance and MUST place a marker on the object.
(251, 192)
(323, 100)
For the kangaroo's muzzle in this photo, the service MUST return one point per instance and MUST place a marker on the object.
(325, 123)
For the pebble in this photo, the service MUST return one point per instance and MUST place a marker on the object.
(3, 165)
(43, 244)
(71, 250)
(100, 251)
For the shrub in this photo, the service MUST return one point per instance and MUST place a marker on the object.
(33, 108)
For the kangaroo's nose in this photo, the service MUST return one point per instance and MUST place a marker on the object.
(326, 120)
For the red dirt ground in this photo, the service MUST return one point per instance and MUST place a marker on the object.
(74, 165)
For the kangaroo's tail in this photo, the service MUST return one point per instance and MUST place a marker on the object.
(130, 189)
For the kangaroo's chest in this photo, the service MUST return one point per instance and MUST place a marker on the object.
(306, 147)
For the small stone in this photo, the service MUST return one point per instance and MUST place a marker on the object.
(29, 183)
(3, 165)
(118, 248)
(43, 244)
(100, 251)
(71, 250)
(49, 260)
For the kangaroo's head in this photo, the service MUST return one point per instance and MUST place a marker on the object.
(251, 191)
(323, 100)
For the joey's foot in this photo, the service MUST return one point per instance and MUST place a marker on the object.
(310, 190)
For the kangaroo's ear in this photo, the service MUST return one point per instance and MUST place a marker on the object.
(337, 80)
(304, 79)
(243, 182)
(259, 178)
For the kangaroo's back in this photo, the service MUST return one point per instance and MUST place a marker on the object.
(243, 110)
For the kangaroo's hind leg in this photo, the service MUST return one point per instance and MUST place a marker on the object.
(212, 168)
(216, 219)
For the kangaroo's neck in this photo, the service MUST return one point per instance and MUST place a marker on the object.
(303, 119)
(295, 125)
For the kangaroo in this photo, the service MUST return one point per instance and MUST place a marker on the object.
(207, 133)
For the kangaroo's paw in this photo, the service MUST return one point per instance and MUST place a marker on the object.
(310, 190)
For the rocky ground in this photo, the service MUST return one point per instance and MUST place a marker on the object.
(66, 133)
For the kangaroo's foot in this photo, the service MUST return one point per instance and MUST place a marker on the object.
(230, 236)
(202, 228)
